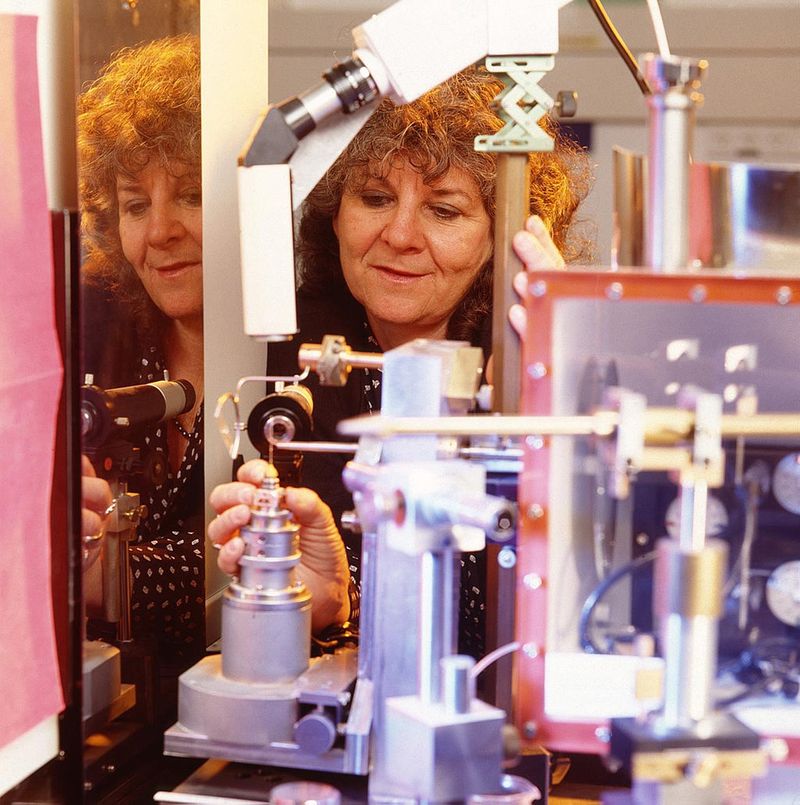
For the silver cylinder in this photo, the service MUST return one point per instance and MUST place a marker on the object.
(366, 621)
(674, 82)
(321, 102)
(688, 603)
(436, 639)
(266, 612)
(694, 508)
(690, 665)
(457, 683)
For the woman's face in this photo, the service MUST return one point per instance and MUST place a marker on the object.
(161, 229)
(410, 251)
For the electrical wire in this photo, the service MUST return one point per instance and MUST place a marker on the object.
(486, 661)
(658, 26)
(585, 631)
(620, 46)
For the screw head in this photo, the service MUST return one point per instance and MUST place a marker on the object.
(538, 288)
(507, 558)
(537, 370)
(698, 293)
(603, 734)
(614, 291)
(534, 442)
(783, 295)
(531, 650)
(530, 729)
(535, 511)
(533, 581)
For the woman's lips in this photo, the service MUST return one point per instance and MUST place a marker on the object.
(175, 269)
(397, 275)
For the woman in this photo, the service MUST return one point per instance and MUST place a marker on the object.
(140, 187)
(395, 244)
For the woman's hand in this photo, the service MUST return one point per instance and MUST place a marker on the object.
(536, 249)
(95, 500)
(323, 566)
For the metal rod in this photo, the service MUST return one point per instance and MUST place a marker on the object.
(694, 502)
(690, 648)
(512, 194)
(309, 355)
(317, 447)
(603, 423)
(433, 612)
(480, 425)
(124, 629)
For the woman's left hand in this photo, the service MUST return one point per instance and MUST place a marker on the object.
(536, 249)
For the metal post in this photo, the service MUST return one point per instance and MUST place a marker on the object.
(674, 82)
(512, 200)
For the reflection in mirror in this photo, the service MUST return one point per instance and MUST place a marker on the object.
(142, 356)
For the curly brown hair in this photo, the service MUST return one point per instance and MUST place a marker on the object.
(436, 133)
(144, 105)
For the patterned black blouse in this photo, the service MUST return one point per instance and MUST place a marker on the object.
(167, 565)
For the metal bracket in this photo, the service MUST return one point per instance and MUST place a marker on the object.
(521, 104)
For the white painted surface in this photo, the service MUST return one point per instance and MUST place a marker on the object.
(233, 41)
(29, 752)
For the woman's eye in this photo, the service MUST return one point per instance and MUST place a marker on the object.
(445, 213)
(134, 208)
(375, 200)
(193, 197)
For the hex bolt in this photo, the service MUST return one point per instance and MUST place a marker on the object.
(535, 511)
(533, 581)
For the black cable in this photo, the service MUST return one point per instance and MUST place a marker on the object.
(587, 642)
(620, 46)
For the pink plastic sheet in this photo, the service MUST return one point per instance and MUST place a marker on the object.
(30, 383)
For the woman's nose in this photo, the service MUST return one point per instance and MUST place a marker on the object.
(402, 231)
(164, 225)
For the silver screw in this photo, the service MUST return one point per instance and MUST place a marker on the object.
(537, 370)
(533, 581)
(783, 295)
(530, 729)
(534, 442)
(538, 288)
(507, 558)
(642, 539)
(698, 293)
(777, 749)
(535, 511)
(614, 291)
(603, 734)
(531, 650)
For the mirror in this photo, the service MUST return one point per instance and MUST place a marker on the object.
(142, 219)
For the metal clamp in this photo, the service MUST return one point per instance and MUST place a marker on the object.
(232, 434)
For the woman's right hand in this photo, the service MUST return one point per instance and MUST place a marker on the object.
(95, 500)
(535, 248)
(323, 565)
